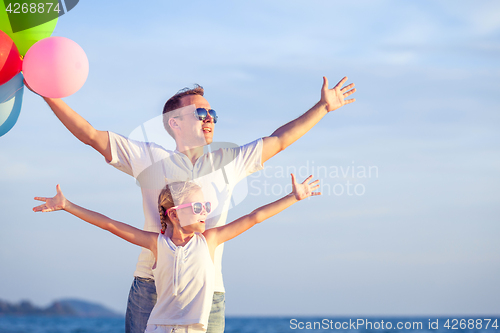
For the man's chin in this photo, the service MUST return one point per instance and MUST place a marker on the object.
(208, 139)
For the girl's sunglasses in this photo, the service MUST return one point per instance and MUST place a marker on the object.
(201, 113)
(197, 207)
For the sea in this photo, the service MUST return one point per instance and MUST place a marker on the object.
(13, 324)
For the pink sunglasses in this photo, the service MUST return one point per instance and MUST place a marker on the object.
(197, 207)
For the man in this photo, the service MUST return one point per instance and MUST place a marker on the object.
(189, 118)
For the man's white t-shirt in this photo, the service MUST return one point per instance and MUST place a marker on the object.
(217, 173)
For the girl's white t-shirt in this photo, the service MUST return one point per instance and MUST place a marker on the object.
(184, 278)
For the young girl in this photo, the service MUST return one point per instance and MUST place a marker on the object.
(184, 250)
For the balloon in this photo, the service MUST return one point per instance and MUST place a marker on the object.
(55, 67)
(10, 60)
(24, 39)
(11, 98)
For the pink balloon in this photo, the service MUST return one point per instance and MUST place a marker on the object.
(55, 67)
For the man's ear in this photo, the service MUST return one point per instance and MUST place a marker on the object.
(172, 122)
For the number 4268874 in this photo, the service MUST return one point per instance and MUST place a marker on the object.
(40, 8)
(455, 324)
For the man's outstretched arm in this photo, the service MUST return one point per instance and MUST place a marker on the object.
(331, 99)
(80, 128)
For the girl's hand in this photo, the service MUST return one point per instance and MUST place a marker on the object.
(52, 204)
(304, 190)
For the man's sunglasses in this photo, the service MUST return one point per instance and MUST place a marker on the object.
(201, 113)
(197, 207)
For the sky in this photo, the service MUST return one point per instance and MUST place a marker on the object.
(408, 220)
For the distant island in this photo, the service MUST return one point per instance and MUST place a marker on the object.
(64, 307)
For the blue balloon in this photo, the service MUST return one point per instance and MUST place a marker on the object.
(11, 99)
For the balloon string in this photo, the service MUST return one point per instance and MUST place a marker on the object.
(5, 100)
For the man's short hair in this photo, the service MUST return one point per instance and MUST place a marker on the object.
(174, 103)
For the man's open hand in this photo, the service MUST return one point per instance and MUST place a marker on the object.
(336, 97)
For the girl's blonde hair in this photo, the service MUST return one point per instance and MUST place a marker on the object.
(173, 194)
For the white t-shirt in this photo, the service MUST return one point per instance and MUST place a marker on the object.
(184, 279)
(217, 173)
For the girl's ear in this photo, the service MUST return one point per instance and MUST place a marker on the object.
(173, 215)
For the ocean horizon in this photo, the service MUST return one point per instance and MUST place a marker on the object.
(271, 324)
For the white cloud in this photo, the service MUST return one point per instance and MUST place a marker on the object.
(480, 17)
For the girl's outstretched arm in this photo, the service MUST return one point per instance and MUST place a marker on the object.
(300, 191)
(133, 235)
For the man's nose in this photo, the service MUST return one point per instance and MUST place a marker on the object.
(209, 118)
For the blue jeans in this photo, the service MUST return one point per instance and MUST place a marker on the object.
(142, 299)
(217, 318)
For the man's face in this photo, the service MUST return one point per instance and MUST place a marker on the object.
(194, 127)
